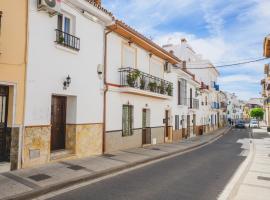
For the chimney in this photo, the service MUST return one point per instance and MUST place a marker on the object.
(184, 65)
(98, 2)
(183, 41)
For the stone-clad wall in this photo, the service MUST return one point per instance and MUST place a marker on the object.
(36, 148)
(14, 148)
(88, 140)
(177, 135)
(115, 141)
(158, 133)
(82, 139)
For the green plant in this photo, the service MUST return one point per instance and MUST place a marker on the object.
(161, 88)
(169, 89)
(142, 83)
(257, 113)
(152, 86)
(132, 77)
(61, 39)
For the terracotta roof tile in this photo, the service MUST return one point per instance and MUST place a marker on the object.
(92, 2)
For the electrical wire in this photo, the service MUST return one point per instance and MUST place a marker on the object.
(230, 65)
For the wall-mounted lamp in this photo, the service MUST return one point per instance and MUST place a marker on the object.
(67, 82)
(130, 41)
(100, 71)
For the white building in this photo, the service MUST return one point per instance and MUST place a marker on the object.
(64, 95)
(235, 107)
(138, 109)
(206, 74)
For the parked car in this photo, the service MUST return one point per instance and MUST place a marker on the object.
(254, 124)
(240, 124)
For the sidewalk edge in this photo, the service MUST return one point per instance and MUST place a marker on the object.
(232, 187)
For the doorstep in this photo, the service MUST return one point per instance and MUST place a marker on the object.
(62, 155)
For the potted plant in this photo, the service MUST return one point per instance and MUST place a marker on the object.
(61, 39)
(132, 77)
(169, 89)
(161, 88)
(142, 83)
(152, 86)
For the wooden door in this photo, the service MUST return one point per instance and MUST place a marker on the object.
(188, 126)
(58, 122)
(4, 142)
(194, 124)
(166, 123)
(146, 130)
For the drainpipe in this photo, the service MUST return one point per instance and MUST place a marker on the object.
(105, 91)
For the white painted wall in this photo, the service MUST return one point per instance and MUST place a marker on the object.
(116, 99)
(49, 65)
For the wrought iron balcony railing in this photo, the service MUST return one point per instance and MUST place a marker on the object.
(67, 40)
(130, 77)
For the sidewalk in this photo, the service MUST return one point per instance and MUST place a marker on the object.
(254, 174)
(29, 183)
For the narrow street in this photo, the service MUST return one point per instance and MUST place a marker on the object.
(200, 174)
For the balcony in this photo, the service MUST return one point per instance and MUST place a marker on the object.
(193, 103)
(204, 86)
(138, 82)
(67, 40)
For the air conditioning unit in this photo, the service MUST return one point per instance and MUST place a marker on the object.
(51, 6)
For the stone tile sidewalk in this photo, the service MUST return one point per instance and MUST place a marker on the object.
(252, 179)
(29, 183)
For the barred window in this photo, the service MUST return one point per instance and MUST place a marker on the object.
(127, 120)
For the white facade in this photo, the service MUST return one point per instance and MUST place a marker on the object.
(235, 107)
(49, 64)
(206, 75)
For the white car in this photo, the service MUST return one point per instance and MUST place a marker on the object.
(254, 124)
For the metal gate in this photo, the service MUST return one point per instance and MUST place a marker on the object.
(5, 138)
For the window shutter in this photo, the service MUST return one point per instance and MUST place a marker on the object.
(179, 92)
(60, 22)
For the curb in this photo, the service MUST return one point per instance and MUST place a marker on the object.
(58, 186)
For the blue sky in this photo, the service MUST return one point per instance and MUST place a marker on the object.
(223, 31)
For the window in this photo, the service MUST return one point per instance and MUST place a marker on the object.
(156, 67)
(127, 120)
(182, 92)
(64, 23)
(129, 56)
(176, 122)
(206, 101)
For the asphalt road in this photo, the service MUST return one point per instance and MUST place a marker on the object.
(200, 175)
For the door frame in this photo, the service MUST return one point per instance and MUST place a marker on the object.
(5, 157)
(65, 119)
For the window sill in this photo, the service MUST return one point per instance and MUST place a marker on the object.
(66, 49)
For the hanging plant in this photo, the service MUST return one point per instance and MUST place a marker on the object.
(152, 86)
(169, 89)
(132, 77)
(161, 88)
(142, 83)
